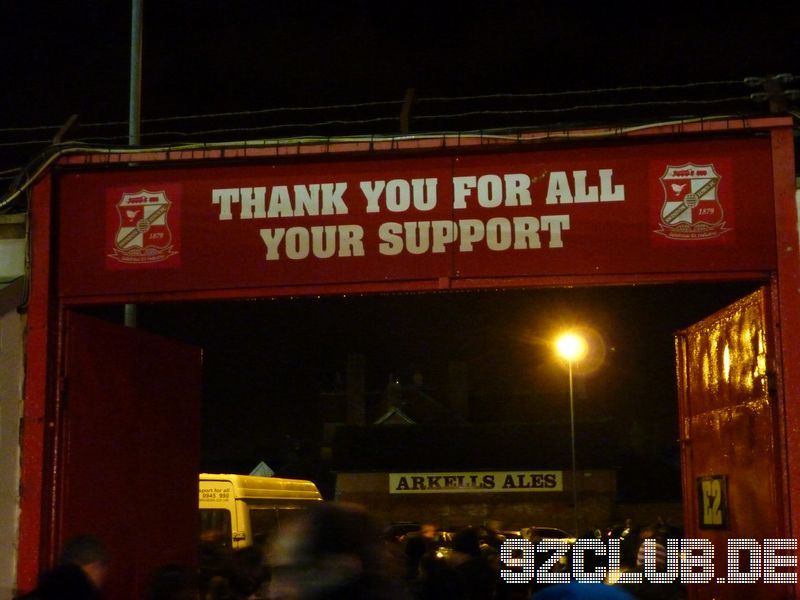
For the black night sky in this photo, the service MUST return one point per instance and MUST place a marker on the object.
(213, 57)
(270, 362)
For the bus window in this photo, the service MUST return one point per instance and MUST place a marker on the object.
(215, 528)
(263, 524)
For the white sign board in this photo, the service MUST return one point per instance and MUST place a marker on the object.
(476, 482)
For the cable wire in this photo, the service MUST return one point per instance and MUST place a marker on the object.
(25, 143)
(282, 126)
(419, 100)
(84, 143)
(579, 107)
(53, 153)
(636, 88)
(250, 113)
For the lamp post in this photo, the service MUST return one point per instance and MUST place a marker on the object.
(572, 347)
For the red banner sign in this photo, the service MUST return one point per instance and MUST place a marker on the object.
(649, 208)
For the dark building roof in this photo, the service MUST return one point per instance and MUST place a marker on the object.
(470, 447)
(409, 448)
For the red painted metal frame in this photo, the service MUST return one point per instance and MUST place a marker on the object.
(420, 285)
(38, 461)
(38, 374)
(787, 316)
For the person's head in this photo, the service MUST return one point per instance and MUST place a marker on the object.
(89, 553)
(467, 541)
(173, 582)
(494, 524)
(582, 591)
(428, 530)
(330, 549)
(654, 530)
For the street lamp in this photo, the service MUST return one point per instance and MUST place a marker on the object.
(572, 347)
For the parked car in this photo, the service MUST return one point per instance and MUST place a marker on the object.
(399, 529)
(536, 534)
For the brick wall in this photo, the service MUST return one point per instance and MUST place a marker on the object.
(596, 494)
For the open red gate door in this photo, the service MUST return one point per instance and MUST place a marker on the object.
(731, 465)
(129, 448)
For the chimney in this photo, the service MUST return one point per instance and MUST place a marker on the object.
(458, 388)
(356, 410)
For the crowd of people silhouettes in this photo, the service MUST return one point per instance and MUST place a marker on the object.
(335, 551)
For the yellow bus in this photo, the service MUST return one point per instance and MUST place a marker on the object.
(237, 511)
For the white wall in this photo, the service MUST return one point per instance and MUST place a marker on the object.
(13, 246)
(12, 327)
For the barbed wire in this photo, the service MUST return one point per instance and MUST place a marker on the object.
(635, 88)
(273, 127)
(579, 107)
(26, 143)
(82, 132)
(382, 103)
(54, 151)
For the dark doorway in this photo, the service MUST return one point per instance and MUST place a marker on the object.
(275, 370)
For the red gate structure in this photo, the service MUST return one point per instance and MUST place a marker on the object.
(702, 201)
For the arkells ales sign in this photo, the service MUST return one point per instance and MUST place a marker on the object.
(476, 482)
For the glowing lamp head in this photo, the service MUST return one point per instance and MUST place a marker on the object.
(571, 346)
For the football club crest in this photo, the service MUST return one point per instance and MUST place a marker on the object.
(143, 235)
(691, 209)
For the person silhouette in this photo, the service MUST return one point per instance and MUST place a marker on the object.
(79, 574)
